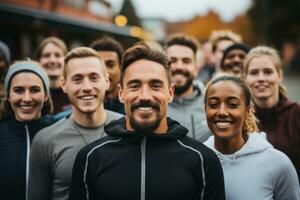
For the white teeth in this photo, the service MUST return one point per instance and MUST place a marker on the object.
(145, 108)
(223, 124)
(87, 97)
(26, 107)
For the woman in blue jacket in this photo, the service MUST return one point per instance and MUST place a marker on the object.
(252, 168)
(26, 111)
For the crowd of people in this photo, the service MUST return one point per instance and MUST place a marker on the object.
(184, 120)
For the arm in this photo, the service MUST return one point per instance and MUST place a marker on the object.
(214, 189)
(40, 175)
(286, 180)
(79, 187)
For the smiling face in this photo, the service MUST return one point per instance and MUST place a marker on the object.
(85, 83)
(27, 96)
(264, 80)
(146, 98)
(52, 59)
(183, 63)
(112, 65)
(225, 110)
(233, 62)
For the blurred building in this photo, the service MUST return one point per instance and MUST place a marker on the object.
(24, 23)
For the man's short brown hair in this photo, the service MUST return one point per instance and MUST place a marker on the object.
(54, 40)
(81, 52)
(184, 40)
(142, 51)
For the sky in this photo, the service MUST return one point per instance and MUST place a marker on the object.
(180, 10)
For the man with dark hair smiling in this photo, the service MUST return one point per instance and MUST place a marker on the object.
(187, 106)
(146, 155)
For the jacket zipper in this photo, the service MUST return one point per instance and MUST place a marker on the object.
(143, 168)
(27, 160)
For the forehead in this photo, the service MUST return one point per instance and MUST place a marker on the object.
(179, 51)
(261, 62)
(223, 44)
(26, 79)
(84, 66)
(108, 55)
(145, 71)
(52, 47)
(225, 89)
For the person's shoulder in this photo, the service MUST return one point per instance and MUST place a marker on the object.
(51, 131)
(111, 115)
(199, 147)
(97, 145)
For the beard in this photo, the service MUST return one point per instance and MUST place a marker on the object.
(145, 127)
(183, 88)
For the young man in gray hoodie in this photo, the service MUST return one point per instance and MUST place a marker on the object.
(54, 148)
(187, 107)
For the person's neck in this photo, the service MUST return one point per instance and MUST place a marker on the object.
(267, 102)
(55, 83)
(230, 146)
(187, 93)
(111, 94)
(90, 120)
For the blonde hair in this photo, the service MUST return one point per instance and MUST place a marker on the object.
(82, 52)
(260, 51)
(217, 36)
(54, 40)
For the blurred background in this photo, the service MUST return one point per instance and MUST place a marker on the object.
(24, 23)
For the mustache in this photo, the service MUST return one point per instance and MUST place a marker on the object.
(180, 71)
(134, 106)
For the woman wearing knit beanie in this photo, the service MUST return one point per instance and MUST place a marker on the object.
(26, 111)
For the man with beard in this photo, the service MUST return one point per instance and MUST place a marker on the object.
(146, 155)
(188, 106)
(233, 58)
(54, 148)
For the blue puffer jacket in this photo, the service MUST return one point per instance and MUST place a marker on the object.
(15, 141)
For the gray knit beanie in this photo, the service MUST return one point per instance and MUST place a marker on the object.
(26, 66)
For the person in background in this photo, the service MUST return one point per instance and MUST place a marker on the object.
(4, 63)
(187, 107)
(277, 115)
(252, 168)
(27, 110)
(205, 62)
(51, 53)
(233, 59)
(111, 52)
(54, 148)
(220, 41)
(146, 155)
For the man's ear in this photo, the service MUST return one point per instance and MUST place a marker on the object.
(171, 92)
(107, 82)
(120, 93)
(63, 84)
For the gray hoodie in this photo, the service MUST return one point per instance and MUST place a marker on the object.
(190, 113)
(258, 171)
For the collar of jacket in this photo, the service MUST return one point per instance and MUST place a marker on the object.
(117, 128)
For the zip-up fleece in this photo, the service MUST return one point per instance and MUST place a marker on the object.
(128, 165)
(15, 141)
(189, 112)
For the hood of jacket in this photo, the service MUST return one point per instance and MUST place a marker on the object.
(117, 128)
(178, 102)
(256, 143)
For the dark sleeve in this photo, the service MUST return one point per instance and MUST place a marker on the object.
(40, 176)
(214, 189)
(79, 188)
